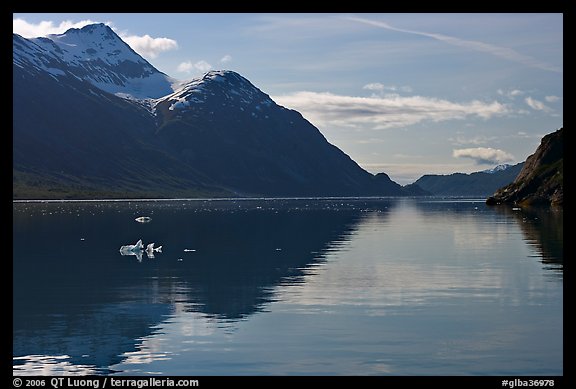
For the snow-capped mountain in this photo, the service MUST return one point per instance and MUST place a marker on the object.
(481, 183)
(228, 86)
(76, 133)
(96, 54)
(497, 168)
(224, 124)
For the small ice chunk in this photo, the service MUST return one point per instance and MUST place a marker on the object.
(150, 250)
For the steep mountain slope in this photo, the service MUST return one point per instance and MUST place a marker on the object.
(96, 54)
(218, 135)
(474, 184)
(234, 132)
(72, 139)
(541, 180)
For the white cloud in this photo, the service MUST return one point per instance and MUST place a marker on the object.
(498, 51)
(475, 140)
(185, 67)
(390, 111)
(511, 94)
(551, 99)
(375, 86)
(381, 88)
(46, 27)
(149, 47)
(144, 45)
(226, 58)
(200, 66)
(536, 104)
(484, 155)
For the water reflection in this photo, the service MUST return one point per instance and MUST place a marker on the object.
(347, 286)
(542, 227)
(80, 305)
(543, 230)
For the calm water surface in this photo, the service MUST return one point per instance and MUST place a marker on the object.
(276, 287)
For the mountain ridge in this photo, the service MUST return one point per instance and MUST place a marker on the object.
(78, 132)
(481, 183)
(96, 54)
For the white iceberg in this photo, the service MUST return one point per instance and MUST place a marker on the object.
(150, 250)
(133, 249)
(138, 249)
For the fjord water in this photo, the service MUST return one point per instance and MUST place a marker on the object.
(288, 287)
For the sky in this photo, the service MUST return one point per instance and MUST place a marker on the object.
(405, 94)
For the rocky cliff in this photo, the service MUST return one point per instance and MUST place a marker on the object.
(540, 182)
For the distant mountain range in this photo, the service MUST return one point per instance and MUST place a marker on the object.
(482, 183)
(541, 180)
(93, 119)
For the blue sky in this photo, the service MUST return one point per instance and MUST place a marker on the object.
(405, 94)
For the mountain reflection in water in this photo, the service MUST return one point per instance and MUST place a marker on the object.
(278, 286)
(75, 295)
(543, 230)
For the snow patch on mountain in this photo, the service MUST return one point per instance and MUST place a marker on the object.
(497, 168)
(96, 54)
(231, 87)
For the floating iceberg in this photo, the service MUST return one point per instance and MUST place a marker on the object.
(133, 249)
(138, 249)
(143, 219)
(150, 250)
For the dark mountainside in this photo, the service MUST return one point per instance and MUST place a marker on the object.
(217, 135)
(473, 184)
(541, 181)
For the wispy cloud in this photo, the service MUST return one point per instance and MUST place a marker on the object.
(381, 88)
(227, 58)
(551, 99)
(511, 94)
(390, 111)
(537, 105)
(149, 47)
(376, 86)
(475, 140)
(498, 51)
(188, 67)
(484, 155)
